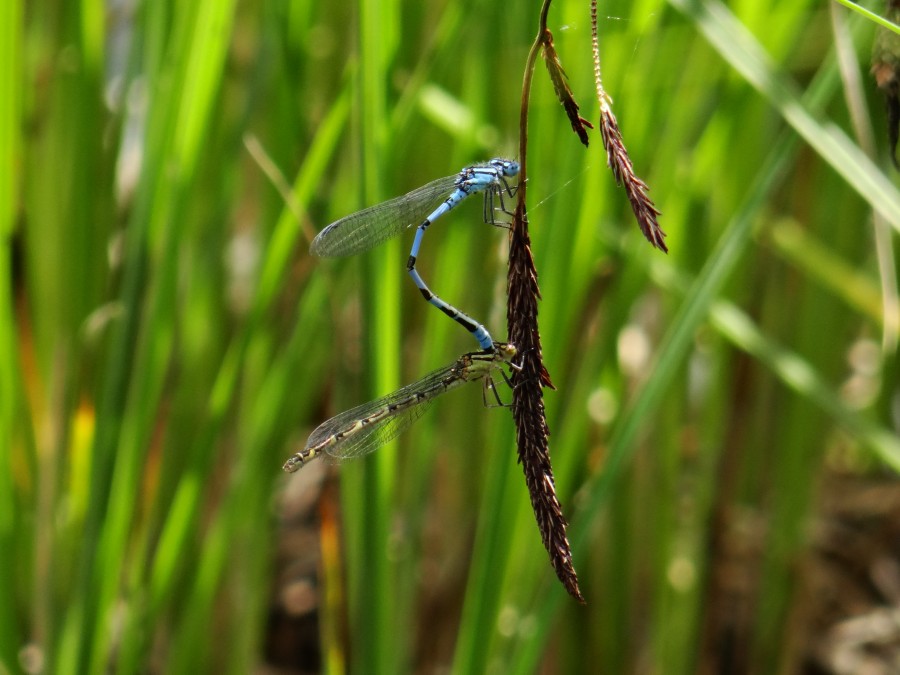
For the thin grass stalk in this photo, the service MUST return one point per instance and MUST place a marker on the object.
(870, 15)
(11, 413)
(492, 547)
(63, 269)
(865, 135)
(367, 488)
(618, 160)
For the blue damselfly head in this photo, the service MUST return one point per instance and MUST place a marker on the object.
(507, 167)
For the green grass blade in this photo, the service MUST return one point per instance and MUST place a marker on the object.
(11, 413)
(739, 48)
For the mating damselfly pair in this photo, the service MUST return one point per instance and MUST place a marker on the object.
(363, 429)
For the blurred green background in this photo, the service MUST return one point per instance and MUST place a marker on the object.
(724, 433)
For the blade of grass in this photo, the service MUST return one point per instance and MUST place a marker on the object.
(871, 16)
(12, 415)
(367, 488)
(833, 272)
(740, 49)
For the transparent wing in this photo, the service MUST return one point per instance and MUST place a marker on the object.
(367, 427)
(376, 434)
(370, 227)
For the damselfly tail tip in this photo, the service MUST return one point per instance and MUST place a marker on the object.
(294, 464)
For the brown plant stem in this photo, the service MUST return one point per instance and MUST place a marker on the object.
(532, 432)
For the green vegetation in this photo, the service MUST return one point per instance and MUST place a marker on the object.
(169, 340)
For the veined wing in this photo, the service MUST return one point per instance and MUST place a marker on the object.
(363, 429)
(366, 427)
(370, 227)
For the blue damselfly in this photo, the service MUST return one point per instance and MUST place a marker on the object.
(366, 229)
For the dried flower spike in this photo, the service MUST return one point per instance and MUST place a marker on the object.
(561, 86)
